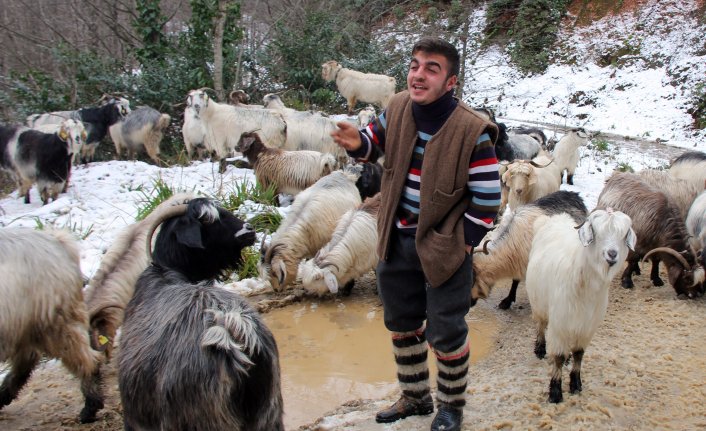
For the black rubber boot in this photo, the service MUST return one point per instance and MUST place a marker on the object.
(447, 419)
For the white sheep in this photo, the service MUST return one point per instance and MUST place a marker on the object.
(194, 134)
(350, 253)
(568, 279)
(527, 181)
(308, 226)
(358, 86)
(142, 129)
(566, 153)
(306, 130)
(289, 172)
(42, 312)
(224, 124)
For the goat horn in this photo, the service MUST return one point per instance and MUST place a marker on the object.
(331, 264)
(671, 251)
(170, 212)
(485, 248)
(264, 235)
(537, 165)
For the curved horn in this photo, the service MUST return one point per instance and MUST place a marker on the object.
(170, 212)
(484, 250)
(671, 251)
(537, 165)
(330, 264)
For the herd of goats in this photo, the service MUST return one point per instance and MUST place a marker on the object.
(193, 353)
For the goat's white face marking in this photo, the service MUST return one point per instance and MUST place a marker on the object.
(612, 233)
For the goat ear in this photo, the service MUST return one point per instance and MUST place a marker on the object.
(63, 135)
(631, 239)
(586, 234)
(532, 177)
(331, 281)
(506, 176)
(190, 235)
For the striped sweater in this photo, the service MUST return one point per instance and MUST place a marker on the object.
(483, 177)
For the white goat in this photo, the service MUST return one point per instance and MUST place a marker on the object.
(527, 181)
(307, 130)
(142, 129)
(566, 153)
(309, 225)
(42, 312)
(690, 166)
(350, 253)
(696, 225)
(358, 86)
(288, 171)
(194, 134)
(682, 192)
(365, 116)
(568, 279)
(224, 124)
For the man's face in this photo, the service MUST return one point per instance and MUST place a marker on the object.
(427, 79)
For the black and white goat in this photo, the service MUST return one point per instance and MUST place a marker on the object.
(193, 355)
(96, 120)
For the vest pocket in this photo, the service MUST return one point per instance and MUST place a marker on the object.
(446, 200)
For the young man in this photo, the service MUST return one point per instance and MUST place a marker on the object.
(440, 195)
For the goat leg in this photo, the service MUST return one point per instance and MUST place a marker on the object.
(511, 297)
(22, 368)
(575, 375)
(555, 395)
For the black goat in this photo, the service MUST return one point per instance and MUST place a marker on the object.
(193, 355)
(368, 184)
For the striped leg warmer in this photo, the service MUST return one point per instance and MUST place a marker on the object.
(410, 349)
(452, 378)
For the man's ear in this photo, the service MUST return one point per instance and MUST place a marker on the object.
(451, 82)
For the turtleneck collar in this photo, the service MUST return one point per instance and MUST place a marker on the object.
(429, 118)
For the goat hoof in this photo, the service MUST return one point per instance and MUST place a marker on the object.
(555, 395)
(540, 350)
(575, 386)
(505, 304)
(657, 282)
(627, 284)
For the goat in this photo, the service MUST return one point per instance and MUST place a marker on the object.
(350, 253)
(306, 130)
(76, 144)
(365, 116)
(568, 279)
(142, 129)
(696, 226)
(527, 181)
(224, 124)
(95, 120)
(308, 226)
(42, 313)
(194, 134)
(288, 171)
(112, 285)
(690, 166)
(533, 132)
(660, 229)
(358, 86)
(45, 159)
(566, 153)
(511, 146)
(368, 184)
(506, 255)
(192, 354)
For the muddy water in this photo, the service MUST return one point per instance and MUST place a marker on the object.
(336, 350)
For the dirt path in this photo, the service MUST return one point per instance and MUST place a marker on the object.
(645, 369)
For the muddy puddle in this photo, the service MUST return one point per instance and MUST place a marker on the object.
(336, 350)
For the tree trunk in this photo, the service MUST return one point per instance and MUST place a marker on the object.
(219, 26)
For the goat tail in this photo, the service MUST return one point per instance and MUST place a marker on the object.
(235, 333)
(163, 121)
(327, 164)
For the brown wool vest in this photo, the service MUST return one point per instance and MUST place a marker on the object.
(444, 191)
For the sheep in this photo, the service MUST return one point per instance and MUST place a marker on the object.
(95, 120)
(365, 116)
(526, 181)
(350, 253)
(224, 124)
(288, 171)
(661, 232)
(45, 159)
(142, 129)
(112, 285)
(194, 134)
(568, 279)
(505, 256)
(690, 166)
(359, 87)
(192, 354)
(306, 130)
(308, 226)
(566, 153)
(42, 313)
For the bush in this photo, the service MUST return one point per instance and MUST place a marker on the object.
(698, 110)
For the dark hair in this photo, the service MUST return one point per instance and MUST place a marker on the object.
(435, 45)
